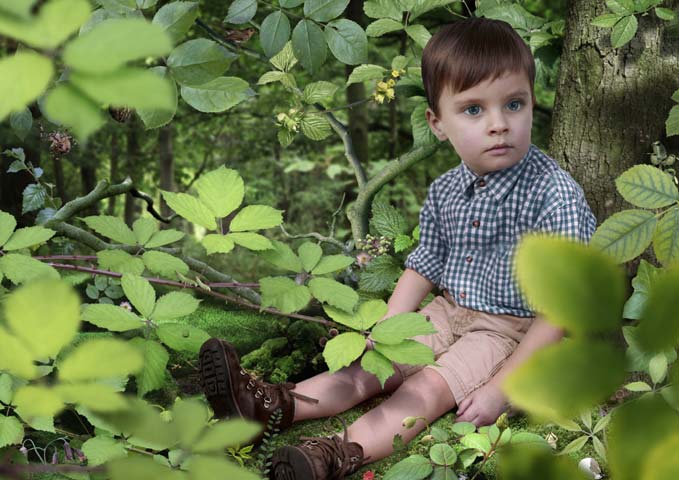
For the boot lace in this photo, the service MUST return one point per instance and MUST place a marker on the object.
(267, 391)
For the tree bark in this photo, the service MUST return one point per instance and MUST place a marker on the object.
(611, 104)
(166, 159)
(133, 156)
(358, 115)
(113, 176)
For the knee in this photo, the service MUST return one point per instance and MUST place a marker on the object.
(430, 387)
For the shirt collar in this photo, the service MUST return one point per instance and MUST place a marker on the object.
(499, 182)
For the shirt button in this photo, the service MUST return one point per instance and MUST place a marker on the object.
(463, 295)
(476, 224)
(482, 183)
(469, 259)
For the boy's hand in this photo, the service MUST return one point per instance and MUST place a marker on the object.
(483, 406)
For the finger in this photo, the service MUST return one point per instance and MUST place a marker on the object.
(464, 404)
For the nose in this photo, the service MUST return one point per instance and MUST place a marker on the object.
(497, 123)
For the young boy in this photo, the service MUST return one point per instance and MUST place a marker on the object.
(478, 76)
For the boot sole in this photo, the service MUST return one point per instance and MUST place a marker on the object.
(216, 379)
(289, 463)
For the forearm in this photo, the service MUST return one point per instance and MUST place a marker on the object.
(540, 334)
(409, 293)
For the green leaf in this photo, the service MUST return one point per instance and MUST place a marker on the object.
(333, 293)
(111, 317)
(409, 352)
(282, 256)
(387, 220)
(164, 237)
(111, 227)
(164, 264)
(414, 467)
(101, 449)
(22, 268)
(638, 387)
(664, 13)
(37, 401)
(144, 467)
(190, 417)
(382, 26)
(178, 336)
(290, 3)
(647, 186)
(419, 34)
(18, 8)
(215, 243)
(140, 293)
(657, 368)
(621, 7)
(332, 263)
(315, 127)
(54, 23)
(283, 294)
(15, 357)
(367, 72)
(402, 242)
(399, 327)
(11, 431)
(659, 330)
(6, 388)
(522, 438)
(285, 59)
(216, 467)
(143, 229)
(23, 78)
(241, 11)
(624, 31)
(158, 117)
(251, 241)
(319, 91)
(581, 291)
(33, 198)
(575, 445)
(324, 10)
(221, 190)
(422, 134)
(463, 428)
(367, 315)
(113, 43)
(28, 237)
(550, 384)
(120, 261)
(256, 217)
(143, 423)
(443, 473)
(238, 431)
(309, 254)
(7, 226)
(100, 358)
(47, 325)
(131, 87)
(176, 18)
(174, 305)
(442, 454)
(199, 61)
(191, 209)
(477, 441)
(661, 462)
(625, 235)
(308, 45)
(380, 274)
(607, 20)
(377, 364)
(422, 7)
(65, 105)
(347, 41)
(384, 9)
(152, 375)
(218, 95)
(672, 122)
(343, 349)
(21, 122)
(666, 238)
(274, 32)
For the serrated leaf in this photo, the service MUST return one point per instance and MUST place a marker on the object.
(176, 18)
(143, 229)
(24, 76)
(241, 11)
(282, 256)
(624, 31)
(21, 122)
(221, 190)
(15, 357)
(477, 441)
(158, 117)
(178, 336)
(7, 226)
(419, 34)
(666, 238)
(164, 264)
(218, 95)
(256, 217)
(100, 358)
(647, 186)
(309, 45)
(285, 59)
(140, 293)
(333, 293)
(274, 32)
(191, 209)
(422, 134)
(332, 263)
(309, 254)
(174, 305)
(395, 329)
(111, 227)
(98, 397)
(384, 9)
(283, 294)
(664, 13)
(324, 10)
(215, 243)
(347, 41)
(367, 315)
(409, 352)
(387, 220)
(152, 374)
(382, 26)
(319, 91)
(607, 20)
(199, 61)
(377, 364)
(164, 237)
(101, 449)
(315, 127)
(204, 466)
(22, 268)
(415, 467)
(37, 401)
(343, 349)
(28, 237)
(67, 106)
(402, 242)
(658, 330)
(111, 317)
(367, 72)
(120, 261)
(250, 240)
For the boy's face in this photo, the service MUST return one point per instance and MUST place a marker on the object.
(497, 112)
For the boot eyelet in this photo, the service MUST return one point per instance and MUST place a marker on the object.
(250, 384)
(354, 459)
(267, 402)
(243, 372)
(259, 393)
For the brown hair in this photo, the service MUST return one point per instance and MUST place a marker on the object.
(467, 52)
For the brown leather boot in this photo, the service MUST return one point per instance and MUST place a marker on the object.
(232, 391)
(318, 458)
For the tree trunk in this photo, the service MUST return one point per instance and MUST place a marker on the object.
(88, 179)
(133, 156)
(113, 176)
(166, 159)
(358, 115)
(58, 167)
(611, 105)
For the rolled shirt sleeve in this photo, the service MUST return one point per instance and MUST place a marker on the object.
(429, 258)
(573, 220)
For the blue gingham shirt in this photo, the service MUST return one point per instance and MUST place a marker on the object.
(470, 226)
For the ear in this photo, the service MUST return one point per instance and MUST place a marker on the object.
(434, 124)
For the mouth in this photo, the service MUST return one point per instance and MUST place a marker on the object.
(501, 146)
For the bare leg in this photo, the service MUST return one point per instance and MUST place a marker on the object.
(339, 391)
(424, 394)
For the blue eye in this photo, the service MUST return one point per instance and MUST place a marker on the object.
(470, 108)
(518, 103)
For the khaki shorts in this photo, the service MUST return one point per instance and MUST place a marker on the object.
(470, 346)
